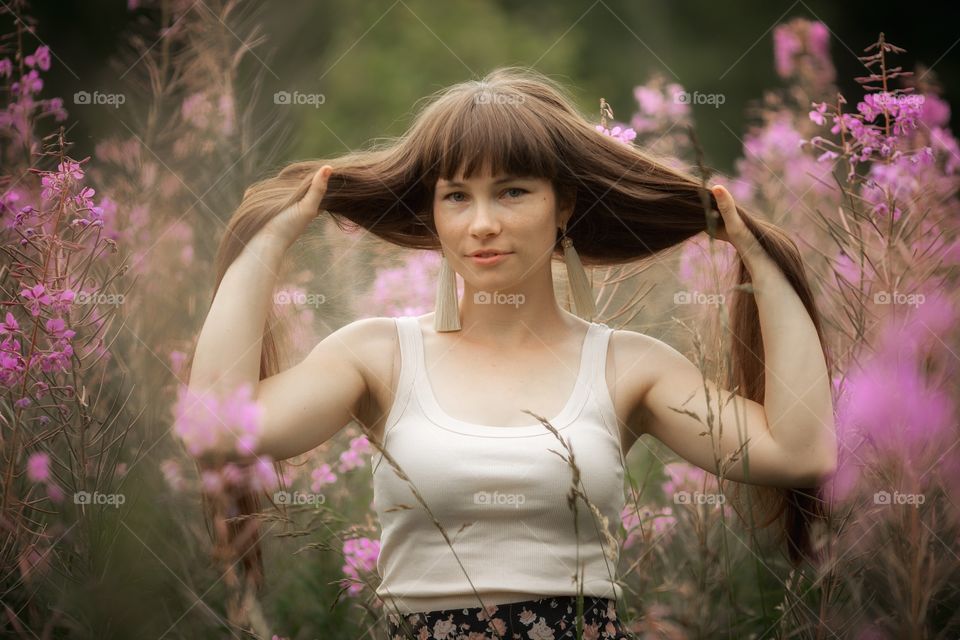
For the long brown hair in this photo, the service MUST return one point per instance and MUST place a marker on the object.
(629, 205)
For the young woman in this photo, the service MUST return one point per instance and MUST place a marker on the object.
(459, 401)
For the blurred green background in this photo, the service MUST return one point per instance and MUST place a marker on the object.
(373, 60)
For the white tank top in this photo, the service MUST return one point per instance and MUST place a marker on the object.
(499, 492)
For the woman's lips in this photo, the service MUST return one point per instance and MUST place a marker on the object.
(485, 261)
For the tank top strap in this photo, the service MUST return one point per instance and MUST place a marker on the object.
(409, 333)
(597, 377)
(596, 352)
(406, 331)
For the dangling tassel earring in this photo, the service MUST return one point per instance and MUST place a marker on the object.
(446, 315)
(577, 277)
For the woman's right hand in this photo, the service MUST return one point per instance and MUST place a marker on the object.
(290, 223)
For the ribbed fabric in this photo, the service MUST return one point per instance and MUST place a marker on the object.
(499, 493)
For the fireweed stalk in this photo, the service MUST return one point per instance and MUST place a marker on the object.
(884, 244)
(60, 434)
(897, 244)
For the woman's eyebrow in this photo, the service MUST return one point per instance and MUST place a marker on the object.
(497, 181)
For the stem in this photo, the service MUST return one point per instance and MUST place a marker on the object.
(31, 347)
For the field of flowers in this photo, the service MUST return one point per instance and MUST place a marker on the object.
(110, 528)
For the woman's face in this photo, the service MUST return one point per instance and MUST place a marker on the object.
(510, 214)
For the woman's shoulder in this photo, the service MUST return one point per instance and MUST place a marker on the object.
(633, 345)
(372, 341)
(366, 330)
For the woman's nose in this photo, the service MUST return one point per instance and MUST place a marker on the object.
(484, 218)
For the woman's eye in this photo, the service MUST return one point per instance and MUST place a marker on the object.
(450, 196)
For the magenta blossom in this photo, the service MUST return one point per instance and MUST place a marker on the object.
(28, 84)
(36, 296)
(58, 328)
(9, 325)
(323, 475)
(38, 467)
(203, 420)
(786, 46)
(353, 458)
(650, 524)
(408, 289)
(625, 135)
(360, 555)
(39, 58)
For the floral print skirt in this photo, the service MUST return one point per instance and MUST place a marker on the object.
(548, 618)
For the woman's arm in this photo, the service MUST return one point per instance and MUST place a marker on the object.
(797, 387)
(790, 438)
(228, 348)
(306, 404)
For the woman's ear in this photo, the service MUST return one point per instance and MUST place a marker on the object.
(566, 200)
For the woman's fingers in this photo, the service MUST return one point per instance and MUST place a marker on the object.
(318, 186)
(732, 222)
(292, 221)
